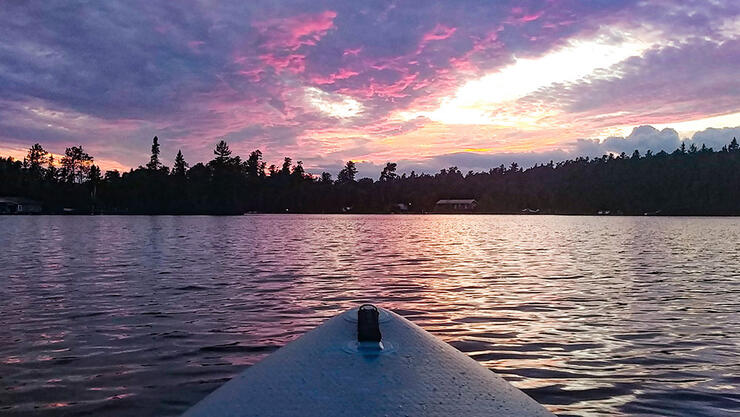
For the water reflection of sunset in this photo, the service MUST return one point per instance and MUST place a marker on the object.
(582, 313)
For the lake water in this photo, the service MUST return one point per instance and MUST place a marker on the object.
(143, 316)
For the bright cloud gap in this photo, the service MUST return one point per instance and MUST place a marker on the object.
(475, 102)
(335, 105)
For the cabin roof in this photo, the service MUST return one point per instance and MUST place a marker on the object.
(467, 201)
(18, 200)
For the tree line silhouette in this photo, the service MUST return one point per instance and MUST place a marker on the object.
(693, 181)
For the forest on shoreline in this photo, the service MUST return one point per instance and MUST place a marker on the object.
(693, 181)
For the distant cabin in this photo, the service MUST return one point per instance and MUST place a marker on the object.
(455, 206)
(18, 205)
(400, 207)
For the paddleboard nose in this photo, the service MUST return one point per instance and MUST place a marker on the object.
(368, 362)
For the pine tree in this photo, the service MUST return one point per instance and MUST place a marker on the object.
(298, 171)
(222, 152)
(94, 175)
(181, 166)
(733, 147)
(347, 174)
(154, 163)
(285, 170)
(76, 163)
(51, 170)
(254, 166)
(389, 172)
(36, 157)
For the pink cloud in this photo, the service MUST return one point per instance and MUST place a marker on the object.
(252, 74)
(195, 46)
(342, 74)
(295, 63)
(283, 37)
(485, 48)
(295, 31)
(520, 16)
(530, 17)
(353, 52)
(380, 89)
(438, 33)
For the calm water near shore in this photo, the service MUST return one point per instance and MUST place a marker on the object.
(143, 316)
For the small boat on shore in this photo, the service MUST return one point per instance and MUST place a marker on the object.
(367, 362)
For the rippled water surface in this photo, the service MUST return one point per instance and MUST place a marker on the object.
(143, 316)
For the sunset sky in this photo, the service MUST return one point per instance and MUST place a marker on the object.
(425, 84)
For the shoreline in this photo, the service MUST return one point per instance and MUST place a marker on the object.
(363, 214)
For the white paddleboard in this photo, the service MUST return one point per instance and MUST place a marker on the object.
(328, 372)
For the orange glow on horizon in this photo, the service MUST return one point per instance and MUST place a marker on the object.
(104, 164)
